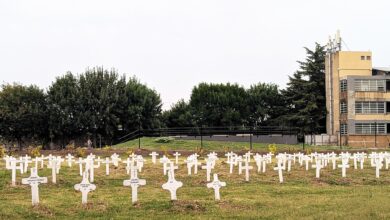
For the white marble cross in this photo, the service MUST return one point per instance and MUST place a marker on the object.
(80, 162)
(344, 165)
(177, 154)
(85, 187)
(318, 167)
(53, 165)
(247, 168)
(12, 166)
(172, 185)
(140, 162)
(216, 185)
(128, 163)
(134, 183)
(107, 161)
(165, 160)
(280, 168)
(34, 180)
(115, 159)
(208, 168)
(378, 163)
(154, 155)
(69, 159)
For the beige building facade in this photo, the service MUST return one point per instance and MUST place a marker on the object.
(357, 99)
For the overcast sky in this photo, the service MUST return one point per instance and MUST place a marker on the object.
(172, 45)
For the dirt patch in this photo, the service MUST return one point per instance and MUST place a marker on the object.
(187, 206)
(225, 205)
(42, 210)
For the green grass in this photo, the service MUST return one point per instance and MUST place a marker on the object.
(151, 144)
(358, 196)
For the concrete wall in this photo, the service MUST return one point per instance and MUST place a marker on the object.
(272, 139)
(323, 139)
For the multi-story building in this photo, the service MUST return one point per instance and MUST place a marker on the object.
(357, 98)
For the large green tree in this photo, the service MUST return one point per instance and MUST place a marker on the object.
(305, 93)
(23, 115)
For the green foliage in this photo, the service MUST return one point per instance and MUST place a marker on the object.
(2, 151)
(272, 148)
(34, 151)
(179, 115)
(305, 93)
(81, 152)
(23, 113)
(164, 140)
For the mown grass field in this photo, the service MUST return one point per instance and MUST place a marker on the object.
(192, 145)
(358, 196)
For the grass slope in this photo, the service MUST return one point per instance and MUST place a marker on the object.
(302, 196)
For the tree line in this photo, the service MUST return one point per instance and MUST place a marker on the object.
(102, 105)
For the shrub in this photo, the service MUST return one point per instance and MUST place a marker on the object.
(272, 148)
(129, 151)
(70, 147)
(107, 148)
(164, 140)
(34, 151)
(2, 151)
(164, 149)
(81, 152)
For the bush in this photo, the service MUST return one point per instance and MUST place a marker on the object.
(129, 152)
(164, 140)
(107, 148)
(2, 151)
(70, 147)
(164, 149)
(272, 148)
(81, 152)
(34, 151)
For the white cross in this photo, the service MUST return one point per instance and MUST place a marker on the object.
(85, 187)
(172, 185)
(177, 154)
(12, 166)
(128, 163)
(34, 180)
(134, 183)
(378, 165)
(80, 162)
(344, 165)
(154, 155)
(107, 162)
(208, 167)
(90, 166)
(216, 185)
(279, 168)
(164, 160)
(115, 159)
(318, 167)
(247, 168)
(69, 159)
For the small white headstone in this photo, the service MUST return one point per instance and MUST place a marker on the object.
(85, 187)
(216, 185)
(172, 185)
(34, 180)
(134, 183)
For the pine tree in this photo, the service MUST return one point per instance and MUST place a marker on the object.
(305, 93)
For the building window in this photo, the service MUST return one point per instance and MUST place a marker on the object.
(343, 108)
(343, 85)
(368, 58)
(344, 129)
(369, 107)
(370, 85)
(362, 57)
(369, 128)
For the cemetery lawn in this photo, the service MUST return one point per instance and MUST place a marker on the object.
(151, 143)
(358, 196)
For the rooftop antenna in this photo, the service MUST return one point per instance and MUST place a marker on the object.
(334, 44)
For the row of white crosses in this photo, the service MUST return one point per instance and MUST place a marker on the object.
(135, 163)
